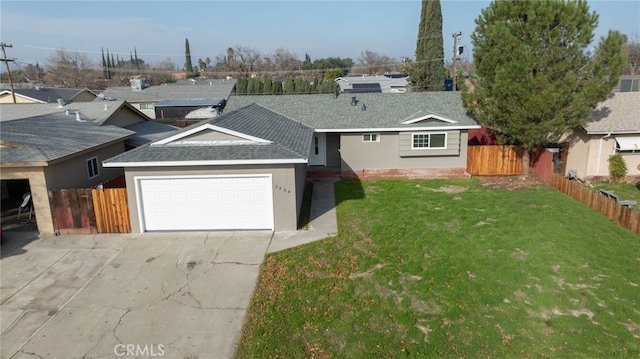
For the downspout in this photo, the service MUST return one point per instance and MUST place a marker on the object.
(600, 153)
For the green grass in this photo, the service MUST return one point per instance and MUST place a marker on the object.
(448, 268)
(624, 191)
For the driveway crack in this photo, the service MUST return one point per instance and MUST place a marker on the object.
(118, 324)
(31, 354)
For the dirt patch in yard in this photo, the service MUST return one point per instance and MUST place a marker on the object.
(510, 183)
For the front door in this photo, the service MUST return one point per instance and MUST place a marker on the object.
(318, 155)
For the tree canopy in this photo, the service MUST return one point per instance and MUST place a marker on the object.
(537, 76)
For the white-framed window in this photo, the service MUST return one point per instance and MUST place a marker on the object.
(147, 106)
(428, 140)
(93, 169)
(370, 137)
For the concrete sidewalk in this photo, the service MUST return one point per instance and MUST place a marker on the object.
(177, 295)
(322, 220)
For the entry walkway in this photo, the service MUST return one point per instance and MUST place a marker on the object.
(322, 219)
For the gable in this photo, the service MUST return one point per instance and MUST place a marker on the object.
(208, 134)
(212, 135)
(428, 119)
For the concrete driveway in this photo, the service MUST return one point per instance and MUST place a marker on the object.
(174, 295)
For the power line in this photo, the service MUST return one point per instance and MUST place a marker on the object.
(6, 63)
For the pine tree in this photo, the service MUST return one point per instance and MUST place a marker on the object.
(135, 54)
(428, 72)
(187, 54)
(268, 87)
(105, 74)
(277, 88)
(537, 79)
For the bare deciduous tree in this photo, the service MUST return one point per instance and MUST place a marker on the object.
(70, 69)
(372, 63)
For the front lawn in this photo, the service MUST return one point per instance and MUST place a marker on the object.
(449, 268)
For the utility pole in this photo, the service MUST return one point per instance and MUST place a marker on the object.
(6, 63)
(455, 57)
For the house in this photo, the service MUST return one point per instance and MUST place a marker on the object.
(48, 147)
(374, 84)
(421, 134)
(188, 109)
(47, 95)
(246, 169)
(243, 170)
(145, 97)
(614, 128)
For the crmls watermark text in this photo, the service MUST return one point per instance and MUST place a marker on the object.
(149, 350)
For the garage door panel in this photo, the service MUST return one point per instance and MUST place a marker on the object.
(206, 203)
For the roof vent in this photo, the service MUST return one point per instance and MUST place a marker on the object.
(364, 107)
(78, 117)
(67, 112)
(336, 94)
(105, 106)
(60, 102)
(354, 101)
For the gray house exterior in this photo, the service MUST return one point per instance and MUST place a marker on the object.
(243, 170)
(379, 135)
(246, 169)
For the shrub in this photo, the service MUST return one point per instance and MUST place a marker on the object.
(617, 167)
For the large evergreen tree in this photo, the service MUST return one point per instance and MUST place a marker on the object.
(535, 78)
(428, 71)
(188, 66)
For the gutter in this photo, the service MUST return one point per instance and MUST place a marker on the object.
(600, 153)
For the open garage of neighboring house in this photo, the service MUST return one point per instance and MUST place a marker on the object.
(172, 203)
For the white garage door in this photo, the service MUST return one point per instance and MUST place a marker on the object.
(205, 203)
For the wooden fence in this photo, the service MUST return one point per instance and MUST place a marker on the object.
(84, 211)
(623, 215)
(494, 160)
(112, 210)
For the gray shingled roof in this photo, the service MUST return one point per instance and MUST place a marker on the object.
(52, 137)
(149, 131)
(211, 89)
(52, 94)
(383, 111)
(291, 140)
(620, 113)
(96, 112)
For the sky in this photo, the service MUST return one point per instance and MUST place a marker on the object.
(158, 29)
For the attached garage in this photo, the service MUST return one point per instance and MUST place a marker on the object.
(243, 170)
(205, 203)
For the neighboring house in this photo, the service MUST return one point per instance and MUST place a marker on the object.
(58, 147)
(243, 170)
(145, 97)
(628, 83)
(47, 95)
(421, 134)
(374, 84)
(188, 109)
(246, 169)
(614, 128)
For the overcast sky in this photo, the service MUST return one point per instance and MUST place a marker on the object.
(158, 29)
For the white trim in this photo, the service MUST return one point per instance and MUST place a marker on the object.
(138, 193)
(429, 134)
(203, 163)
(96, 170)
(209, 127)
(398, 129)
(8, 92)
(428, 117)
(371, 134)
